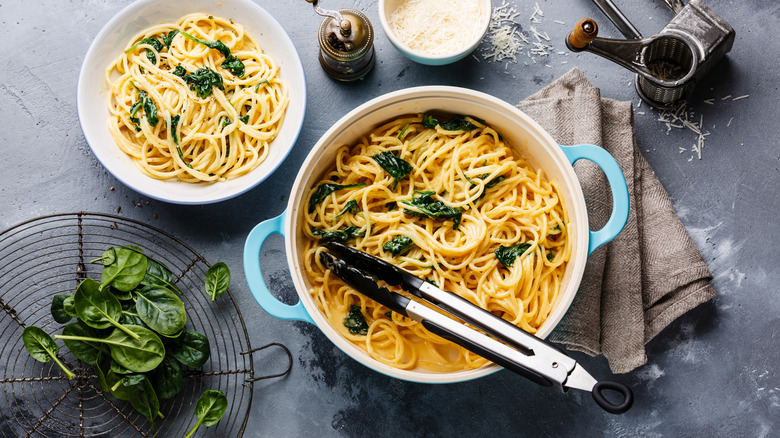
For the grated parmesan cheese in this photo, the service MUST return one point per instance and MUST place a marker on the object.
(435, 27)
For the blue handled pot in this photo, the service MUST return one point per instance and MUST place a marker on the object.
(526, 137)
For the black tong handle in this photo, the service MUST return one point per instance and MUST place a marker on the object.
(598, 396)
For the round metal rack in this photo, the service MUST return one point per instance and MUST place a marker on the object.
(50, 255)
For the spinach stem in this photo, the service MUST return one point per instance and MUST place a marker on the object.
(87, 339)
(194, 428)
(124, 329)
(62, 366)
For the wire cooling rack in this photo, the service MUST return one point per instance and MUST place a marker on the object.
(50, 255)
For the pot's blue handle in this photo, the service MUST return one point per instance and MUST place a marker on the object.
(617, 183)
(254, 276)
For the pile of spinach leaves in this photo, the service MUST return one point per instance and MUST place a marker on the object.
(131, 327)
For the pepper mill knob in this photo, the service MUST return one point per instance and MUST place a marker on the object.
(584, 32)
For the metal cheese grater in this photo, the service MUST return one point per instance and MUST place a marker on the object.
(346, 40)
(669, 64)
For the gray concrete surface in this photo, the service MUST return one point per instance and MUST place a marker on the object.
(712, 373)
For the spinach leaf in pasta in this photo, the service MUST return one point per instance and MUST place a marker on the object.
(155, 43)
(506, 255)
(426, 206)
(398, 168)
(231, 63)
(341, 236)
(355, 321)
(168, 39)
(203, 81)
(326, 189)
(351, 207)
(398, 245)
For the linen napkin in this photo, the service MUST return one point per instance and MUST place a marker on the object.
(651, 273)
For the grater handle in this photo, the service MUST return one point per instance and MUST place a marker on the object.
(618, 19)
(675, 5)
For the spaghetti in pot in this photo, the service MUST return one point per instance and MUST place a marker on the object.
(196, 100)
(463, 213)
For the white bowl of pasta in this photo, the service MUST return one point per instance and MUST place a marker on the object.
(513, 191)
(191, 102)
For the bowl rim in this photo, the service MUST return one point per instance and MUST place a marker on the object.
(419, 55)
(294, 210)
(84, 91)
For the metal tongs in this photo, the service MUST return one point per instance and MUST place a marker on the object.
(502, 342)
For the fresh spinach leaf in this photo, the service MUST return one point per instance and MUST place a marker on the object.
(138, 354)
(190, 349)
(142, 396)
(209, 409)
(217, 280)
(102, 368)
(121, 295)
(158, 274)
(119, 369)
(550, 256)
(43, 348)
(342, 236)
(400, 244)
(507, 254)
(127, 271)
(351, 207)
(161, 310)
(109, 256)
(244, 119)
(391, 205)
(167, 378)
(58, 308)
(115, 387)
(326, 189)
(432, 208)
(98, 308)
(355, 321)
(85, 351)
(69, 307)
(398, 168)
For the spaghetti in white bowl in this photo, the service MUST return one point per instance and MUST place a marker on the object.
(191, 102)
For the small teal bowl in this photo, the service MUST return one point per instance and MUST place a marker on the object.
(386, 8)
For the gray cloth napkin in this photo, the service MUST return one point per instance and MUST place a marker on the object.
(651, 273)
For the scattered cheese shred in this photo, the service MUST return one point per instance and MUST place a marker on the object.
(435, 27)
(680, 118)
(505, 39)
